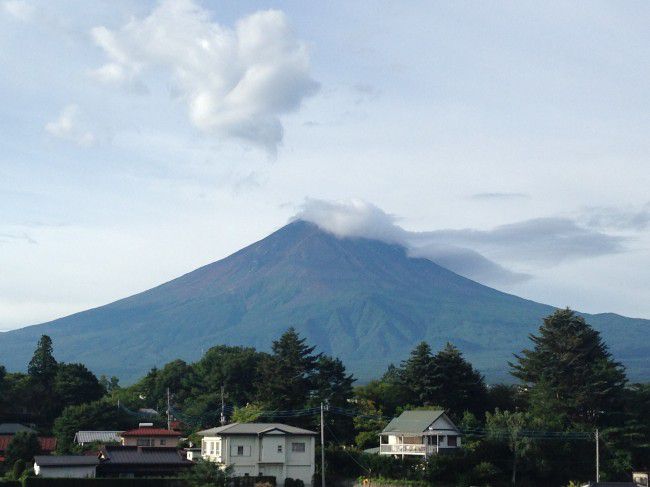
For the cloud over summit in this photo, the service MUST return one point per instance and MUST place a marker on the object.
(236, 82)
(482, 255)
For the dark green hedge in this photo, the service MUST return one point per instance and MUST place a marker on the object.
(10, 483)
(250, 481)
(104, 482)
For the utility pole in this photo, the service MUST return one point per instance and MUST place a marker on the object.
(322, 445)
(223, 414)
(169, 412)
(597, 456)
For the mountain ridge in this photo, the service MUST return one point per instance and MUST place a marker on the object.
(363, 300)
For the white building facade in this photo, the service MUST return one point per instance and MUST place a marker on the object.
(65, 466)
(269, 449)
(419, 433)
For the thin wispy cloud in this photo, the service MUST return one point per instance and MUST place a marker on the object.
(70, 126)
(18, 9)
(483, 255)
(626, 218)
(236, 82)
(499, 196)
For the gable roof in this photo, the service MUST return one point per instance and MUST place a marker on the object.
(254, 429)
(147, 431)
(13, 428)
(413, 421)
(65, 460)
(142, 455)
(101, 436)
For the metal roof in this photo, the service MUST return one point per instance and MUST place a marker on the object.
(142, 455)
(254, 429)
(149, 431)
(65, 460)
(13, 428)
(101, 436)
(413, 422)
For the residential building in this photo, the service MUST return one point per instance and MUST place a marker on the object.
(65, 466)
(85, 437)
(147, 435)
(641, 479)
(140, 461)
(268, 449)
(419, 433)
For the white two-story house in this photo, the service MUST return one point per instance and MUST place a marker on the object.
(421, 433)
(272, 449)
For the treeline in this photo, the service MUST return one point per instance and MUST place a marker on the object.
(566, 382)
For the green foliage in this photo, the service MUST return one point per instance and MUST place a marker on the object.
(207, 474)
(91, 416)
(418, 375)
(570, 373)
(75, 384)
(18, 468)
(43, 366)
(507, 427)
(104, 482)
(23, 446)
(247, 414)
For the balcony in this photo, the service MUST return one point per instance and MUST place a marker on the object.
(406, 449)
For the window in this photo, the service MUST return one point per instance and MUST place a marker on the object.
(298, 447)
(212, 448)
(144, 442)
(162, 442)
(240, 450)
(452, 440)
(279, 448)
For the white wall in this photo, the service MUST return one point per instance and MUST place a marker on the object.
(77, 472)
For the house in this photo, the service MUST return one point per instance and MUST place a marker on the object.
(420, 433)
(47, 443)
(65, 466)
(192, 453)
(85, 437)
(147, 435)
(269, 449)
(13, 428)
(141, 461)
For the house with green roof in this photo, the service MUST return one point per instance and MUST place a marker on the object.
(420, 433)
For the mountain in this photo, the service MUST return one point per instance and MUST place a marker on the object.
(362, 300)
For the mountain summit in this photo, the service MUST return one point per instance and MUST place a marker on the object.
(362, 300)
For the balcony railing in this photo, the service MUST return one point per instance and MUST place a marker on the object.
(406, 449)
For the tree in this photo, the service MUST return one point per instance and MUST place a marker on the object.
(207, 474)
(418, 374)
(286, 377)
(368, 424)
(23, 446)
(75, 384)
(457, 386)
(570, 374)
(332, 386)
(43, 366)
(98, 415)
(507, 426)
(111, 384)
(247, 414)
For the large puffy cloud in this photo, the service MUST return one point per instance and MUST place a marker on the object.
(236, 82)
(477, 254)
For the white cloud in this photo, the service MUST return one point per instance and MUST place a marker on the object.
(69, 127)
(535, 243)
(237, 82)
(19, 9)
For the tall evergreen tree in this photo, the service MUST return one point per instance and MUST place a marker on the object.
(570, 374)
(333, 386)
(43, 366)
(457, 386)
(287, 376)
(75, 384)
(417, 375)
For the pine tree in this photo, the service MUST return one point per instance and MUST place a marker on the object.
(287, 376)
(457, 386)
(571, 376)
(417, 375)
(43, 367)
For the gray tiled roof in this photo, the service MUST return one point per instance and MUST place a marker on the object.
(13, 428)
(101, 436)
(65, 460)
(135, 455)
(254, 429)
(412, 421)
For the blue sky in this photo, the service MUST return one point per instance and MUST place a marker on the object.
(140, 140)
